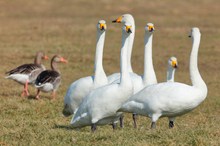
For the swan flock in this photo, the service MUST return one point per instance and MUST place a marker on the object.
(101, 100)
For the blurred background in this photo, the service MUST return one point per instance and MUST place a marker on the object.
(68, 28)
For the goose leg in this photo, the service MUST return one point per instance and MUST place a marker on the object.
(53, 94)
(37, 96)
(93, 128)
(134, 115)
(121, 121)
(26, 88)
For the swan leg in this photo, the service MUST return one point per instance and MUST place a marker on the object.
(37, 96)
(153, 125)
(134, 115)
(121, 121)
(114, 126)
(154, 118)
(171, 122)
(93, 127)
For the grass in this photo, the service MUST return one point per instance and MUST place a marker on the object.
(68, 28)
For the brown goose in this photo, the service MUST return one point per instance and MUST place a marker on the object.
(49, 80)
(27, 73)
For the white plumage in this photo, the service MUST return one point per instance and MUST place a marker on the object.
(101, 104)
(81, 87)
(171, 99)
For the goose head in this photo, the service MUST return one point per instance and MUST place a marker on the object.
(149, 28)
(124, 18)
(172, 62)
(58, 59)
(101, 26)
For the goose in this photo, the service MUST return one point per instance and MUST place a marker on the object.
(171, 99)
(49, 80)
(100, 105)
(27, 73)
(81, 87)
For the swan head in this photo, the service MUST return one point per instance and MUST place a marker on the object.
(149, 28)
(127, 28)
(124, 18)
(102, 25)
(172, 62)
(194, 31)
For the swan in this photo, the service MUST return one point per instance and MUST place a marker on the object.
(172, 65)
(49, 80)
(123, 19)
(27, 73)
(171, 99)
(100, 105)
(81, 87)
(149, 76)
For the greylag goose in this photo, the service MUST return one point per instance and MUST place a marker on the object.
(27, 73)
(49, 80)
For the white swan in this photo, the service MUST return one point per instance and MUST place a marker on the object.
(171, 99)
(80, 88)
(101, 104)
(172, 65)
(126, 18)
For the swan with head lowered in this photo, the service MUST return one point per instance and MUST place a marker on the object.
(100, 105)
(171, 99)
(81, 87)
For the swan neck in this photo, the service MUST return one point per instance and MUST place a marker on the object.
(98, 68)
(170, 74)
(125, 77)
(130, 48)
(196, 78)
(149, 76)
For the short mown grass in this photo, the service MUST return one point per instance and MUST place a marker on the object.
(68, 28)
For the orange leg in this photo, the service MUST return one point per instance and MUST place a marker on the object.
(26, 88)
(38, 96)
(53, 94)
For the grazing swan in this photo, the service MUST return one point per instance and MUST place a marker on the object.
(100, 105)
(49, 80)
(171, 99)
(80, 88)
(27, 73)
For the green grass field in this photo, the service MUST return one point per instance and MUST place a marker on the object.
(68, 28)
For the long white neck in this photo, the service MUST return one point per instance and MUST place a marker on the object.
(125, 77)
(170, 74)
(196, 78)
(130, 47)
(149, 76)
(99, 73)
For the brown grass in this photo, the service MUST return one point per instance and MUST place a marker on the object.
(68, 28)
